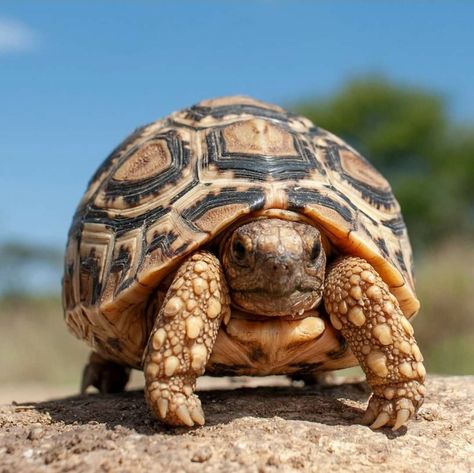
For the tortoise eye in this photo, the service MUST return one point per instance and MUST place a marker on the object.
(315, 251)
(238, 250)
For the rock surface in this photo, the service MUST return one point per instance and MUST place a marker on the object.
(264, 429)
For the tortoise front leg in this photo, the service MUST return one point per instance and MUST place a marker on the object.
(182, 339)
(361, 306)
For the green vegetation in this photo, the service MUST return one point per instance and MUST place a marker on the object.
(27, 268)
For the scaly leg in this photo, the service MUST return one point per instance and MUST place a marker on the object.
(107, 376)
(361, 306)
(182, 339)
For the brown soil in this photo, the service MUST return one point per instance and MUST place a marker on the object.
(263, 429)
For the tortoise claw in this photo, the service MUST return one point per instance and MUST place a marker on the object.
(182, 413)
(402, 418)
(369, 416)
(197, 415)
(383, 412)
(381, 420)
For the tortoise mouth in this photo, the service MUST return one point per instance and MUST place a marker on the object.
(238, 313)
(290, 304)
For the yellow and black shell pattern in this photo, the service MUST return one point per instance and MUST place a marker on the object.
(174, 185)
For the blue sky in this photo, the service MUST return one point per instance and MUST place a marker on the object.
(77, 77)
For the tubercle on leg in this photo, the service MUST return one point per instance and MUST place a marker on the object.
(368, 315)
(183, 337)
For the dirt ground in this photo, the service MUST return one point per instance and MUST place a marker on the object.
(249, 429)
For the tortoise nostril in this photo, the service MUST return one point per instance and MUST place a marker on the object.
(279, 266)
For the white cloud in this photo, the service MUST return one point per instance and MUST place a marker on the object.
(16, 37)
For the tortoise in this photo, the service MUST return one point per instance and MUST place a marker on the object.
(236, 238)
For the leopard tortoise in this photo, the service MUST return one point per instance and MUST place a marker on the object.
(235, 238)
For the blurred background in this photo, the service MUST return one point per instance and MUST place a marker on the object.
(392, 78)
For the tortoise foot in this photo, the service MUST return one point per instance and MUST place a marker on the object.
(175, 408)
(395, 413)
(105, 375)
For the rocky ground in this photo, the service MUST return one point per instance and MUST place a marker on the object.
(263, 429)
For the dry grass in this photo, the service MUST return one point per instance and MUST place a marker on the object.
(445, 325)
(36, 347)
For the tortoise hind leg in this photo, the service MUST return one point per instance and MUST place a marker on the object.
(105, 375)
(324, 378)
(182, 339)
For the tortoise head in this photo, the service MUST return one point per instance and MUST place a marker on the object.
(274, 267)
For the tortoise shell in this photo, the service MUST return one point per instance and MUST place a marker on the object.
(174, 185)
